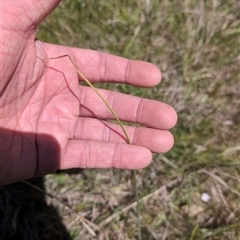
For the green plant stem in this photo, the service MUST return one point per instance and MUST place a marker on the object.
(194, 232)
(138, 205)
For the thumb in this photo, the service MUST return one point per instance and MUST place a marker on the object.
(32, 12)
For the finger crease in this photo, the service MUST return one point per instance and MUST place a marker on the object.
(88, 153)
(107, 133)
(127, 71)
(115, 162)
(139, 111)
(111, 104)
(102, 66)
(82, 99)
(134, 136)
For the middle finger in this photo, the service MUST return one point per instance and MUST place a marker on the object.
(143, 111)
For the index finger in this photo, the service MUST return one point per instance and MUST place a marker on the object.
(104, 67)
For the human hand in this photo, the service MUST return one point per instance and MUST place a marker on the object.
(49, 122)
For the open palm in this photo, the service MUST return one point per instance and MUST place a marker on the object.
(48, 121)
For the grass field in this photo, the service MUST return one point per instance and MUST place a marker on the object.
(196, 44)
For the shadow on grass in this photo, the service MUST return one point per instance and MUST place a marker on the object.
(24, 214)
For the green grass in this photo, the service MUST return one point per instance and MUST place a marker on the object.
(196, 46)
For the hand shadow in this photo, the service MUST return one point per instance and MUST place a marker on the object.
(24, 212)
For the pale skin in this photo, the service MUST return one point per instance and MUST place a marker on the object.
(49, 122)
